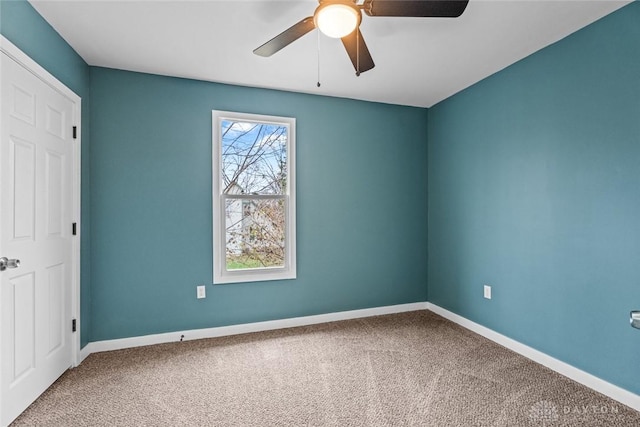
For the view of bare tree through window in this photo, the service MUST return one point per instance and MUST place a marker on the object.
(254, 179)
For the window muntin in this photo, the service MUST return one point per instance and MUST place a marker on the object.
(254, 197)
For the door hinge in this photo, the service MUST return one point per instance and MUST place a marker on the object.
(75, 132)
(73, 325)
(74, 228)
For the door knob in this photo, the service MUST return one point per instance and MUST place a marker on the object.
(8, 263)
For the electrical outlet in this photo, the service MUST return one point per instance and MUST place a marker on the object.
(202, 292)
(487, 291)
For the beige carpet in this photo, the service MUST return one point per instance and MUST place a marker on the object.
(410, 369)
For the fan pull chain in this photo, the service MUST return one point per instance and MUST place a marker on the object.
(357, 52)
(318, 58)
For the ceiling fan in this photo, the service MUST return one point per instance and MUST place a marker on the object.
(341, 19)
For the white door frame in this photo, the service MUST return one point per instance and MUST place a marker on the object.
(13, 52)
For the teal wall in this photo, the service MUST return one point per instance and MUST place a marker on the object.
(534, 188)
(26, 29)
(361, 205)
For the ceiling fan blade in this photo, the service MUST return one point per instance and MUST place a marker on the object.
(286, 37)
(358, 52)
(415, 8)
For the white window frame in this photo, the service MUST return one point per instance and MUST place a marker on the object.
(220, 273)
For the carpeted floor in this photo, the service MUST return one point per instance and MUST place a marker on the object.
(409, 369)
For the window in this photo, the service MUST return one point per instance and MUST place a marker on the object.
(253, 198)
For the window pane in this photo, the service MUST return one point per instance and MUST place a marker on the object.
(254, 158)
(255, 233)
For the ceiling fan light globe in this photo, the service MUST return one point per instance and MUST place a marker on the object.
(337, 20)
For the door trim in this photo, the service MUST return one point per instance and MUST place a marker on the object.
(13, 52)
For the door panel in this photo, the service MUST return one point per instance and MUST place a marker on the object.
(55, 193)
(36, 205)
(22, 169)
(55, 305)
(23, 105)
(22, 360)
(55, 121)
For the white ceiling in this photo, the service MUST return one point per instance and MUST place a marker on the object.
(419, 61)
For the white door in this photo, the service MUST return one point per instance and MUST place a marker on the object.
(36, 206)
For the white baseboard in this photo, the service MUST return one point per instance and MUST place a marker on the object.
(84, 353)
(196, 334)
(617, 393)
